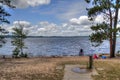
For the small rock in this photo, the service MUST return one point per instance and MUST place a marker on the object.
(100, 69)
(59, 67)
(94, 72)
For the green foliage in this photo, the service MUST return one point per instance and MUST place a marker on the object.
(7, 2)
(101, 32)
(16, 52)
(94, 11)
(3, 12)
(3, 19)
(101, 6)
(118, 53)
(88, 1)
(18, 39)
(25, 55)
(108, 9)
(2, 38)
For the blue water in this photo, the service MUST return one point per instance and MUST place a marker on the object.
(58, 46)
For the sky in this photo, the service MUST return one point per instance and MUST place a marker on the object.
(51, 17)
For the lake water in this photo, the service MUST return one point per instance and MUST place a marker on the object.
(58, 46)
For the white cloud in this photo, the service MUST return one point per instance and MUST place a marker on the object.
(41, 30)
(27, 3)
(75, 21)
(51, 29)
(119, 16)
(118, 25)
(82, 20)
(24, 23)
(75, 27)
(99, 19)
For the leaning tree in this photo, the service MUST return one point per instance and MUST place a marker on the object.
(107, 30)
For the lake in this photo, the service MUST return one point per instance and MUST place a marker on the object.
(47, 46)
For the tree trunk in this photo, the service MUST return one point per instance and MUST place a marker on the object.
(21, 51)
(114, 47)
(111, 33)
(111, 47)
(21, 48)
(115, 25)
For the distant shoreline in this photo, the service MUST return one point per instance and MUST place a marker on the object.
(9, 36)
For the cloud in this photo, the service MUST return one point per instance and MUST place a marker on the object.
(64, 10)
(82, 20)
(99, 19)
(24, 23)
(74, 9)
(50, 29)
(119, 16)
(75, 27)
(27, 3)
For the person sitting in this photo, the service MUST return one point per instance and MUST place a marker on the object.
(81, 52)
(95, 56)
(103, 57)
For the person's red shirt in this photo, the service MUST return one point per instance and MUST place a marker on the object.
(95, 56)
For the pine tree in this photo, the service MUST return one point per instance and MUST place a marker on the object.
(3, 19)
(19, 36)
(108, 29)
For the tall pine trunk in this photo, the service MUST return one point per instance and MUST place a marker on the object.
(111, 47)
(115, 26)
(114, 47)
(111, 33)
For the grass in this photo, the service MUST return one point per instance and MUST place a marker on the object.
(36, 68)
(108, 69)
(46, 68)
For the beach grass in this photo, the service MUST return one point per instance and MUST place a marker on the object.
(36, 68)
(108, 69)
(53, 68)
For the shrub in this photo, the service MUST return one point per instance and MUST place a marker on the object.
(16, 52)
